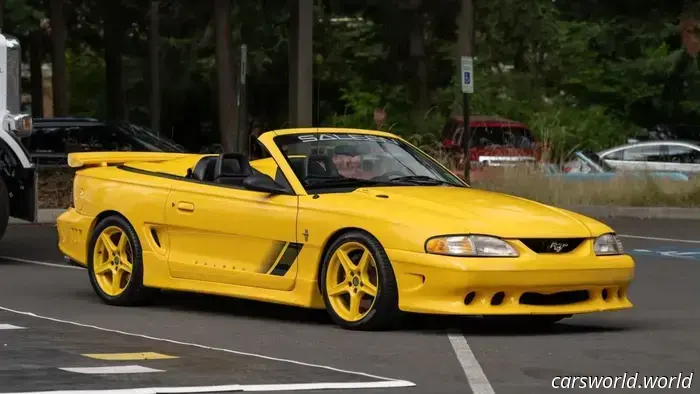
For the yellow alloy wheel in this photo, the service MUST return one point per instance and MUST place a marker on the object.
(352, 281)
(112, 261)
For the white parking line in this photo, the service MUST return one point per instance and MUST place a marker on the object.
(384, 381)
(687, 241)
(10, 327)
(55, 265)
(235, 388)
(115, 369)
(476, 378)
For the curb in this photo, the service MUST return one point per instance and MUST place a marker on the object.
(596, 211)
(605, 212)
(43, 216)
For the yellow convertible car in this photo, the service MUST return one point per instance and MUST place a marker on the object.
(358, 222)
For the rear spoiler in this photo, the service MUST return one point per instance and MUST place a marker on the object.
(103, 159)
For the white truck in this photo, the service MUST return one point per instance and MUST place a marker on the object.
(18, 175)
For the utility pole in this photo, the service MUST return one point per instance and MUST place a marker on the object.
(466, 49)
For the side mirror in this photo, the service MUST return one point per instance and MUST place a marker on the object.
(19, 124)
(263, 183)
(13, 121)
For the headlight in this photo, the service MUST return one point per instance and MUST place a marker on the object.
(470, 245)
(607, 244)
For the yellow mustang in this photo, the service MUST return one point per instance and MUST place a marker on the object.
(358, 222)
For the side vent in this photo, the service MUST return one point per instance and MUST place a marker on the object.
(154, 234)
(157, 238)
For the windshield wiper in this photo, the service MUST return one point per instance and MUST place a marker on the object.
(421, 180)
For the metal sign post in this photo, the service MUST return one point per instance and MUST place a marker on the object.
(467, 79)
(243, 138)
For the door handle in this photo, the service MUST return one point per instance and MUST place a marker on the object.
(185, 206)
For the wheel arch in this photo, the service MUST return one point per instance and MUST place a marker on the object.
(100, 217)
(329, 241)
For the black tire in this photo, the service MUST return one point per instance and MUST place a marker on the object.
(4, 207)
(135, 293)
(384, 313)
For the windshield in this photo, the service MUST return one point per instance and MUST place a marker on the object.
(592, 156)
(148, 138)
(347, 160)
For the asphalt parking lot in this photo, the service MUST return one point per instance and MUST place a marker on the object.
(56, 335)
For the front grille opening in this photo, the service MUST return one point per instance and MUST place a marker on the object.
(497, 298)
(552, 245)
(561, 298)
(605, 294)
(621, 293)
(469, 298)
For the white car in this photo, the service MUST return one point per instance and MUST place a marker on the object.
(660, 155)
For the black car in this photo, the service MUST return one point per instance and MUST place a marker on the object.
(54, 138)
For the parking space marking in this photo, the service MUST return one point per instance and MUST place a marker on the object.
(383, 382)
(476, 378)
(10, 327)
(129, 356)
(115, 369)
(668, 251)
(55, 265)
(237, 388)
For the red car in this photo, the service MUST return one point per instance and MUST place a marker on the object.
(494, 140)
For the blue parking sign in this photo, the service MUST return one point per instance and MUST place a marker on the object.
(467, 77)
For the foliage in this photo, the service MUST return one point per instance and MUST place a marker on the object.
(622, 190)
(578, 75)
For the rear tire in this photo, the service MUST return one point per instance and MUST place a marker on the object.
(4, 207)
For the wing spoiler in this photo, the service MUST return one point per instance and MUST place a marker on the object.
(103, 159)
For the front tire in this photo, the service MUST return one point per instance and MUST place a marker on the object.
(358, 283)
(115, 263)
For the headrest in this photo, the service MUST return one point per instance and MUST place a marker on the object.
(232, 164)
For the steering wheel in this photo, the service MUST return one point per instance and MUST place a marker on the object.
(387, 176)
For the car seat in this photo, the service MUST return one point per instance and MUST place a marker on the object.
(204, 169)
(232, 169)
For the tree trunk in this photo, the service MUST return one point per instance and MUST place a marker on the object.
(58, 61)
(301, 63)
(417, 53)
(37, 77)
(154, 56)
(225, 75)
(113, 39)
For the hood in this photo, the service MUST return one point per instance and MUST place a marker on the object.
(458, 210)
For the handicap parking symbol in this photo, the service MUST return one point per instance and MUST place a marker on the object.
(686, 254)
(467, 77)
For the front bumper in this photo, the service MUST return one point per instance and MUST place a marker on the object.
(568, 283)
(73, 231)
